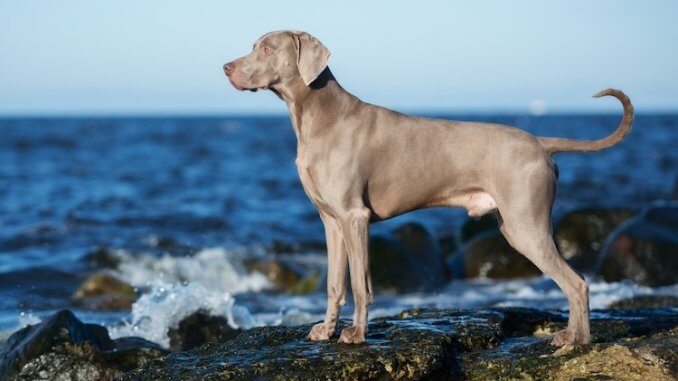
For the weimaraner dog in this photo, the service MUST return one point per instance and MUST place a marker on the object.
(361, 163)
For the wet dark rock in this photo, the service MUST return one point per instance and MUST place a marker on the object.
(482, 344)
(407, 260)
(474, 227)
(448, 244)
(647, 301)
(200, 328)
(62, 347)
(282, 247)
(581, 234)
(102, 258)
(288, 274)
(488, 255)
(644, 249)
(104, 291)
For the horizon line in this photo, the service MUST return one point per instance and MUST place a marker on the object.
(276, 114)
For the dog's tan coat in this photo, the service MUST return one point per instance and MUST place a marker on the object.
(361, 163)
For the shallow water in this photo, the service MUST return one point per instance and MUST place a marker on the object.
(186, 199)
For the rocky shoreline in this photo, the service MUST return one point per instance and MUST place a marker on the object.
(632, 339)
(454, 344)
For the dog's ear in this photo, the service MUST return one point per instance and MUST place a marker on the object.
(312, 56)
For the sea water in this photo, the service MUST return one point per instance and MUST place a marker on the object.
(182, 203)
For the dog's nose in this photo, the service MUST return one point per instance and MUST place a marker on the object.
(228, 68)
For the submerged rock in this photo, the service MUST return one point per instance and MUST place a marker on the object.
(644, 249)
(407, 260)
(488, 255)
(581, 234)
(103, 257)
(200, 328)
(482, 344)
(104, 291)
(647, 301)
(62, 347)
(474, 227)
(287, 274)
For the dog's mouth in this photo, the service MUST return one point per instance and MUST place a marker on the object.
(246, 88)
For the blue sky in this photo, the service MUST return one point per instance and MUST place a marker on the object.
(165, 57)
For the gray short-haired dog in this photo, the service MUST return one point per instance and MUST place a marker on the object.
(361, 163)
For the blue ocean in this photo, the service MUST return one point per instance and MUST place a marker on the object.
(183, 202)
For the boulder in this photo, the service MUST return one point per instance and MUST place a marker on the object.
(406, 260)
(287, 274)
(581, 234)
(448, 244)
(489, 255)
(647, 301)
(474, 227)
(104, 291)
(455, 344)
(644, 249)
(102, 258)
(62, 347)
(200, 328)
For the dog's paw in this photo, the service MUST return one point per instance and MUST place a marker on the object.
(352, 335)
(570, 337)
(320, 332)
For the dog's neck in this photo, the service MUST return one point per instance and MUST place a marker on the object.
(321, 94)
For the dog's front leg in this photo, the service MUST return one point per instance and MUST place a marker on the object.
(354, 226)
(336, 279)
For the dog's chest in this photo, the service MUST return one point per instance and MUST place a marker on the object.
(310, 186)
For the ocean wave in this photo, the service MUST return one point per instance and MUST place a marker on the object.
(215, 269)
(161, 309)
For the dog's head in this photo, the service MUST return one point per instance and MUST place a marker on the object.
(279, 58)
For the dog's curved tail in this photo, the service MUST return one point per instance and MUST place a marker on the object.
(555, 145)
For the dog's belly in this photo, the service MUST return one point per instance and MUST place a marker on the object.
(477, 202)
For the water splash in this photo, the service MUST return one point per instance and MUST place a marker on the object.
(156, 312)
(216, 269)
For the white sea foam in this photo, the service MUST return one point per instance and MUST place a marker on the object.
(25, 319)
(161, 309)
(214, 281)
(216, 269)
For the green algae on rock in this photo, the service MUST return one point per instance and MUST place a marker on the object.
(62, 347)
(482, 344)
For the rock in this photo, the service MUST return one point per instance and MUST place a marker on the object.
(62, 347)
(281, 247)
(644, 249)
(200, 328)
(408, 260)
(104, 291)
(102, 258)
(581, 234)
(647, 301)
(476, 226)
(488, 255)
(479, 344)
(286, 273)
(448, 244)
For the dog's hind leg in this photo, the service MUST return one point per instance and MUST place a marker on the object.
(527, 227)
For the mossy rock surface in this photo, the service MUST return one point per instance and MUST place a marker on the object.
(478, 344)
(103, 291)
(418, 344)
(63, 348)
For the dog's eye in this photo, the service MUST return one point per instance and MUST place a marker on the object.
(267, 50)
